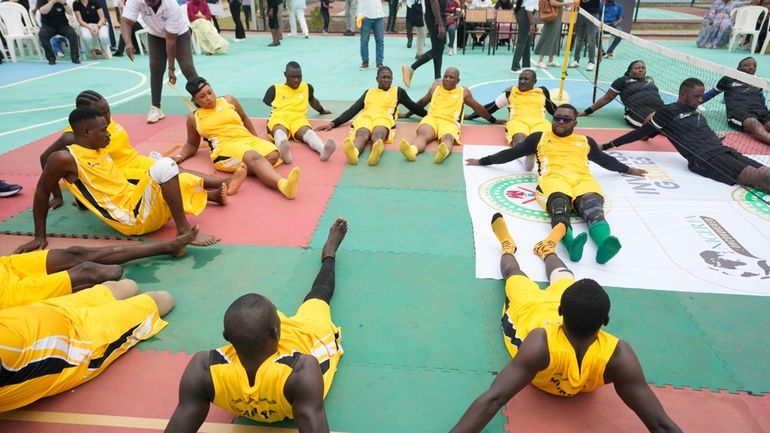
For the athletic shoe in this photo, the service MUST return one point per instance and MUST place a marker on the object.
(154, 115)
(554, 64)
(529, 162)
(349, 33)
(8, 189)
(379, 65)
(51, 61)
(609, 55)
(239, 40)
(590, 67)
(540, 65)
(364, 66)
(273, 44)
(573, 64)
(406, 74)
(516, 70)
(307, 36)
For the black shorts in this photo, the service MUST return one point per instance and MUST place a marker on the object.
(735, 120)
(724, 167)
(274, 16)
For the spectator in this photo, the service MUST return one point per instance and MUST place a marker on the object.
(373, 17)
(435, 21)
(478, 4)
(351, 6)
(550, 35)
(585, 35)
(415, 18)
(504, 28)
(525, 19)
(325, 5)
(717, 26)
(53, 15)
(92, 23)
(297, 13)
(453, 13)
(199, 14)
(392, 15)
(274, 21)
(8, 189)
(613, 16)
(236, 7)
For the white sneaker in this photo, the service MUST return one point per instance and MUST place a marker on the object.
(154, 115)
(540, 65)
(451, 52)
(590, 67)
(574, 64)
(554, 64)
(237, 41)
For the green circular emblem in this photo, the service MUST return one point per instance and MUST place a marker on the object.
(515, 195)
(754, 200)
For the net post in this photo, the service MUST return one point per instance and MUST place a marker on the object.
(599, 53)
(567, 46)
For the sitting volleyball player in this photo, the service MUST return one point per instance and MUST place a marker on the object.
(527, 105)
(288, 117)
(55, 345)
(96, 182)
(557, 344)
(445, 116)
(376, 124)
(274, 367)
(564, 181)
(129, 161)
(232, 139)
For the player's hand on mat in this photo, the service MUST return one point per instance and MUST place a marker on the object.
(171, 76)
(130, 51)
(472, 161)
(633, 171)
(33, 245)
(324, 111)
(472, 116)
(328, 127)
(405, 115)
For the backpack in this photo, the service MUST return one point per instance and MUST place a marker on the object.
(546, 12)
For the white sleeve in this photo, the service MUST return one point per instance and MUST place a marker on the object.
(132, 10)
(501, 101)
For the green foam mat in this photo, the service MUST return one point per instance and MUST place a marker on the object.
(395, 172)
(376, 399)
(394, 220)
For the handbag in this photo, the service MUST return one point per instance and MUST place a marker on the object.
(546, 12)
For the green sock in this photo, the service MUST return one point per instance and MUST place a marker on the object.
(574, 245)
(607, 246)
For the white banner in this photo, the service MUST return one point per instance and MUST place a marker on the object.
(679, 231)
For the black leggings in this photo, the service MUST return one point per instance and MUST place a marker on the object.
(323, 286)
(436, 47)
(157, 51)
(326, 18)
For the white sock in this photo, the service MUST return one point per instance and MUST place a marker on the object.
(280, 136)
(313, 140)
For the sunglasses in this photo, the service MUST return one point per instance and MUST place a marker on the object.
(563, 119)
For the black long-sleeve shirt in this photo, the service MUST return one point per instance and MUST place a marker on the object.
(403, 99)
(529, 147)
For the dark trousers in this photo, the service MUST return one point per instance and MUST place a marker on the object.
(392, 12)
(521, 52)
(436, 52)
(326, 18)
(47, 32)
(235, 11)
(134, 40)
(323, 286)
(158, 59)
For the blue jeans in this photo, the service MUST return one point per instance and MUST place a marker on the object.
(375, 25)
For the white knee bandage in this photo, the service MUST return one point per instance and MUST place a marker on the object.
(280, 136)
(560, 273)
(164, 170)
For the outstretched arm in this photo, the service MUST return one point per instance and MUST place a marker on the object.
(242, 114)
(196, 392)
(478, 108)
(601, 102)
(346, 115)
(190, 147)
(406, 101)
(526, 147)
(626, 373)
(532, 357)
(304, 389)
(63, 141)
(422, 102)
(499, 102)
(550, 106)
(315, 103)
(647, 130)
(608, 162)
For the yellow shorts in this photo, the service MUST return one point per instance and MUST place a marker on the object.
(228, 156)
(137, 167)
(91, 330)
(442, 127)
(573, 186)
(525, 126)
(292, 123)
(24, 279)
(528, 307)
(369, 122)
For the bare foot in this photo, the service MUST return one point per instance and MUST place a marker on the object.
(336, 234)
(221, 195)
(237, 178)
(204, 240)
(177, 244)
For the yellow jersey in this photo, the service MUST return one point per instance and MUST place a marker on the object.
(265, 400)
(122, 153)
(221, 123)
(447, 104)
(563, 376)
(565, 156)
(527, 105)
(382, 103)
(290, 103)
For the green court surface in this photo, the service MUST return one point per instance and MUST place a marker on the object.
(656, 14)
(421, 334)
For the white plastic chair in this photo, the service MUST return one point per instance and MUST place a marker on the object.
(745, 23)
(17, 27)
(195, 45)
(139, 34)
(217, 9)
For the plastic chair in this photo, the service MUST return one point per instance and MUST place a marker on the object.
(505, 24)
(483, 27)
(745, 23)
(195, 45)
(17, 28)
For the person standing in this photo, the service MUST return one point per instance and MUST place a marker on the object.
(235, 10)
(415, 18)
(350, 19)
(168, 40)
(374, 16)
(613, 17)
(297, 13)
(585, 34)
(392, 15)
(550, 33)
(92, 23)
(525, 19)
(274, 21)
(435, 21)
(325, 5)
(53, 15)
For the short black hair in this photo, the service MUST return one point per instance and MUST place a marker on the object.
(250, 321)
(585, 307)
(293, 65)
(744, 59)
(690, 84)
(80, 115)
(569, 107)
(531, 71)
(631, 65)
(87, 97)
(383, 68)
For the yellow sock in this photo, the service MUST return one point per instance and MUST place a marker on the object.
(288, 186)
(441, 153)
(503, 235)
(408, 150)
(350, 151)
(557, 233)
(374, 157)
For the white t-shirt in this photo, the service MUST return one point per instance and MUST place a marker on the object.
(371, 9)
(480, 4)
(168, 19)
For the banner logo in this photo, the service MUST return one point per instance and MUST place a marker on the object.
(754, 201)
(724, 253)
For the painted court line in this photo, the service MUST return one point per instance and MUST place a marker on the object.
(46, 75)
(128, 422)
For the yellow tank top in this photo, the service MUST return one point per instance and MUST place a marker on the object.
(563, 377)
(447, 104)
(290, 102)
(265, 401)
(119, 149)
(382, 103)
(527, 105)
(566, 156)
(221, 123)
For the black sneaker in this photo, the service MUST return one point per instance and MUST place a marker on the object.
(51, 61)
(8, 189)
(348, 33)
(76, 61)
